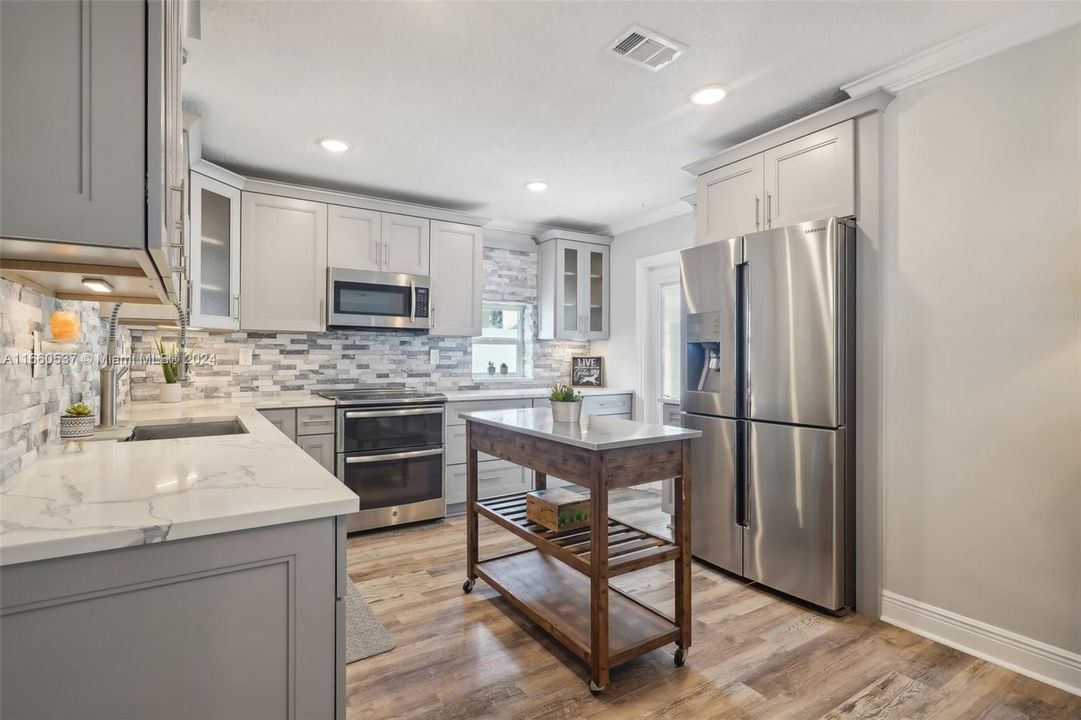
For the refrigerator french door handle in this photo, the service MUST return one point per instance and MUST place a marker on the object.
(748, 473)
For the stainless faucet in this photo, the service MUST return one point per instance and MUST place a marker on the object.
(110, 375)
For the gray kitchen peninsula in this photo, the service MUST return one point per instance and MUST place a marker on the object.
(195, 577)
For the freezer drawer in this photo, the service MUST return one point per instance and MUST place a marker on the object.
(796, 511)
(716, 536)
(795, 299)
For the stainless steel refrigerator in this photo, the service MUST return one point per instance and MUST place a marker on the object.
(768, 377)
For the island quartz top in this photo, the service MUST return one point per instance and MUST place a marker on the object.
(115, 495)
(595, 432)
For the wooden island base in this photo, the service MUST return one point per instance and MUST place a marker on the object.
(561, 584)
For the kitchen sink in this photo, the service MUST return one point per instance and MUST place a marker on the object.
(186, 430)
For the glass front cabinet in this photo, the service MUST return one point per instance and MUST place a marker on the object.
(572, 286)
(215, 254)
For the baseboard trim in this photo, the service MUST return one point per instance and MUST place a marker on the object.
(1033, 658)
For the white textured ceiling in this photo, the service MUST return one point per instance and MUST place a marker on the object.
(459, 104)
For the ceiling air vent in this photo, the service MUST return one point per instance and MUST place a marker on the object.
(646, 48)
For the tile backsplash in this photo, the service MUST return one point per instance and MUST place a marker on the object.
(283, 362)
(30, 407)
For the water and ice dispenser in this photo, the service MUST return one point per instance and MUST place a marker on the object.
(703, 352)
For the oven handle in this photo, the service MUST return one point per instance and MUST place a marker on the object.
(393, 413)
(392, 456)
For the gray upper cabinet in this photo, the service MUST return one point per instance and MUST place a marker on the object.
(284, 264)
(572, 287)
(809, 178)
(73, 112)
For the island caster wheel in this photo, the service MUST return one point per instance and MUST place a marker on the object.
(680, 657)
(595, 688)
(467, 586)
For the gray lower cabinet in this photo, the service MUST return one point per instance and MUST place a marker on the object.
(284, 420)
(320, 447)
(247, 624)
(495, 477)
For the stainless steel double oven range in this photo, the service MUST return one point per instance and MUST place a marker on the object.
(390, 453)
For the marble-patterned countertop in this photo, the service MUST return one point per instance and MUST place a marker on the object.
(521, 393)
(595, 432)
(115, 495)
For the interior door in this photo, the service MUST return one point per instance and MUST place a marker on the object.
(708, 327)
(793, 351)
(716, 535)
(795, 534)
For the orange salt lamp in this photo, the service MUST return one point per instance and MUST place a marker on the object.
(65, 326)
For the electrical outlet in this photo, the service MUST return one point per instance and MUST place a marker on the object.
(246, 356)
(433, 357)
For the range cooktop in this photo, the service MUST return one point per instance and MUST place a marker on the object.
(382, 396)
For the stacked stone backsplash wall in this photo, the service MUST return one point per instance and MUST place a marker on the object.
(284, 362)
(30, 407)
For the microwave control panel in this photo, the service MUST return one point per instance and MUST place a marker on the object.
(421, 310)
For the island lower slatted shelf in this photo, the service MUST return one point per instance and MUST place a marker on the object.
(629, 548)
(562, 582)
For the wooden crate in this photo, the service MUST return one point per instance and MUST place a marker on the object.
(558, 509)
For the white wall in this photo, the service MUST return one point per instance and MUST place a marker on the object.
(982, 422)
(621, 350)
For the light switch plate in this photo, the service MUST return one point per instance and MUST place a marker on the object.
(433, 357)
(246, 356)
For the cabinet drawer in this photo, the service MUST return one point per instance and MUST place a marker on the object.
(456, 450)
(453, 409)
(315, 421)
(598, 404)
(494, 477)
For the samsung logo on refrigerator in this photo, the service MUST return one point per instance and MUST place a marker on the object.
(814, 230)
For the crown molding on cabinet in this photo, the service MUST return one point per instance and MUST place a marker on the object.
(1030, 24)
(557, 234)
(500, 237)
(680, 207)
(856, 107)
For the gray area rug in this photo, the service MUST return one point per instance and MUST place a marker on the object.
(365, 636)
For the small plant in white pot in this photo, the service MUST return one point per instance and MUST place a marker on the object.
(170, 370)
(566, 404)
(77, 422)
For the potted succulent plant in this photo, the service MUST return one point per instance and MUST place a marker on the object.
(491, 368)
(566, 404)
(77, 422)
(170, 370)
(503, 369)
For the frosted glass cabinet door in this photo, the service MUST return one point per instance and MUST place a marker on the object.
(215, 253)
(570, 286)
(595, 282)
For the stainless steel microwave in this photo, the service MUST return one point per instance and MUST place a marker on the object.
(368, 299)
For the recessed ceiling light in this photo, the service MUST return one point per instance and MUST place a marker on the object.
(537, 186)
(708, 95)
(97, 284)
(334, 145)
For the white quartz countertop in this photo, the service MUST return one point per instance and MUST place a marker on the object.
(115, 495)
(522, 393)
(595, 432)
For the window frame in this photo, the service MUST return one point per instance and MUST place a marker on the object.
(519, 342)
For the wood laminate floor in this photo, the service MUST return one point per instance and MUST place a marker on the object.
(754, 655)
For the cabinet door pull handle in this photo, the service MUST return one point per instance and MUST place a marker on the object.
(769, 210)
(757, 202)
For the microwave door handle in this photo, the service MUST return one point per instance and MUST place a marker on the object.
(412, 302)
(392, 456)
